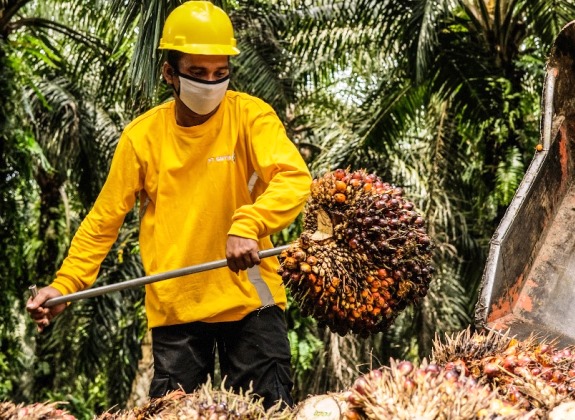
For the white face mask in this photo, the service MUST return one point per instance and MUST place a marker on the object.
(201, 96)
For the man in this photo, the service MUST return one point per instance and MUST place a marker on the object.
(215, 173)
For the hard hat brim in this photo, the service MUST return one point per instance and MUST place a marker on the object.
(201, 49)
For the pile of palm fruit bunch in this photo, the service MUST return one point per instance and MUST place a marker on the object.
(363, 256)
(405, 390)
(37, 411)
(206, 403)
(532, 374)
(482, 375)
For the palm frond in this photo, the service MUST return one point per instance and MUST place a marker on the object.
(258, 26)
(424, 21)
(509, 174)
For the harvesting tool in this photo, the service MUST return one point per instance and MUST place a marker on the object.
(140, 281)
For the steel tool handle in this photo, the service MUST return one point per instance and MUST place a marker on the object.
(129, 284)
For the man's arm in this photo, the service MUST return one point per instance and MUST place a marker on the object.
(95, 236)
(99, 230)
(280, 166)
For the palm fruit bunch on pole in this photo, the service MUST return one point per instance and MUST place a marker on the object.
(532, 374)
(363, 256)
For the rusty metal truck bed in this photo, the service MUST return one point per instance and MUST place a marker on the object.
(528, 284)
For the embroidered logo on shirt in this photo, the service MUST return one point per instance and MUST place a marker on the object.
(225, 158)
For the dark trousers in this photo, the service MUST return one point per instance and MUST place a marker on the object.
(254, 351)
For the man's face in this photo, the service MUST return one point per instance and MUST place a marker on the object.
(205, 67)
(200, 83)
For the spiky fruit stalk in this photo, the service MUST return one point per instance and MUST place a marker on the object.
(206, 403)
(11, 411)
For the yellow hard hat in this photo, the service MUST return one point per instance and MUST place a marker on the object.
(199, 27)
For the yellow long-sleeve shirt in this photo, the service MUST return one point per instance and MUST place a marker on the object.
(194, 186)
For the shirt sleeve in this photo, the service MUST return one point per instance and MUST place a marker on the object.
(278, 164)
(99, 229)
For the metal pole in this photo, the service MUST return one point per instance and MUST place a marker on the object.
(129, 284)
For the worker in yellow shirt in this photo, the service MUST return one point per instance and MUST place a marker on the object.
(216, 175)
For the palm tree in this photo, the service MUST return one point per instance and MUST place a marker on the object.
(442, 98)
(75, 98)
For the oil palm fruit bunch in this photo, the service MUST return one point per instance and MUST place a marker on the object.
(407, 391)
(206, 403)
(363, 256)
(37, 411)
(532, 373)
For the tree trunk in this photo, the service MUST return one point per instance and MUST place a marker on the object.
(141, 383)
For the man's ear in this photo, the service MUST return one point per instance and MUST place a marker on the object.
(168, 73)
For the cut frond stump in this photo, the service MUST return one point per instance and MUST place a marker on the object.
(331, 406)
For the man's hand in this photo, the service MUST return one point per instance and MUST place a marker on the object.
(241, 253)
(42, 316)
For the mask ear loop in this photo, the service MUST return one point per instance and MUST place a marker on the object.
(230, 69)
(177, 74)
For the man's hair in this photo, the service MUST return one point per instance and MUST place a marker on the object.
(173, 59)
